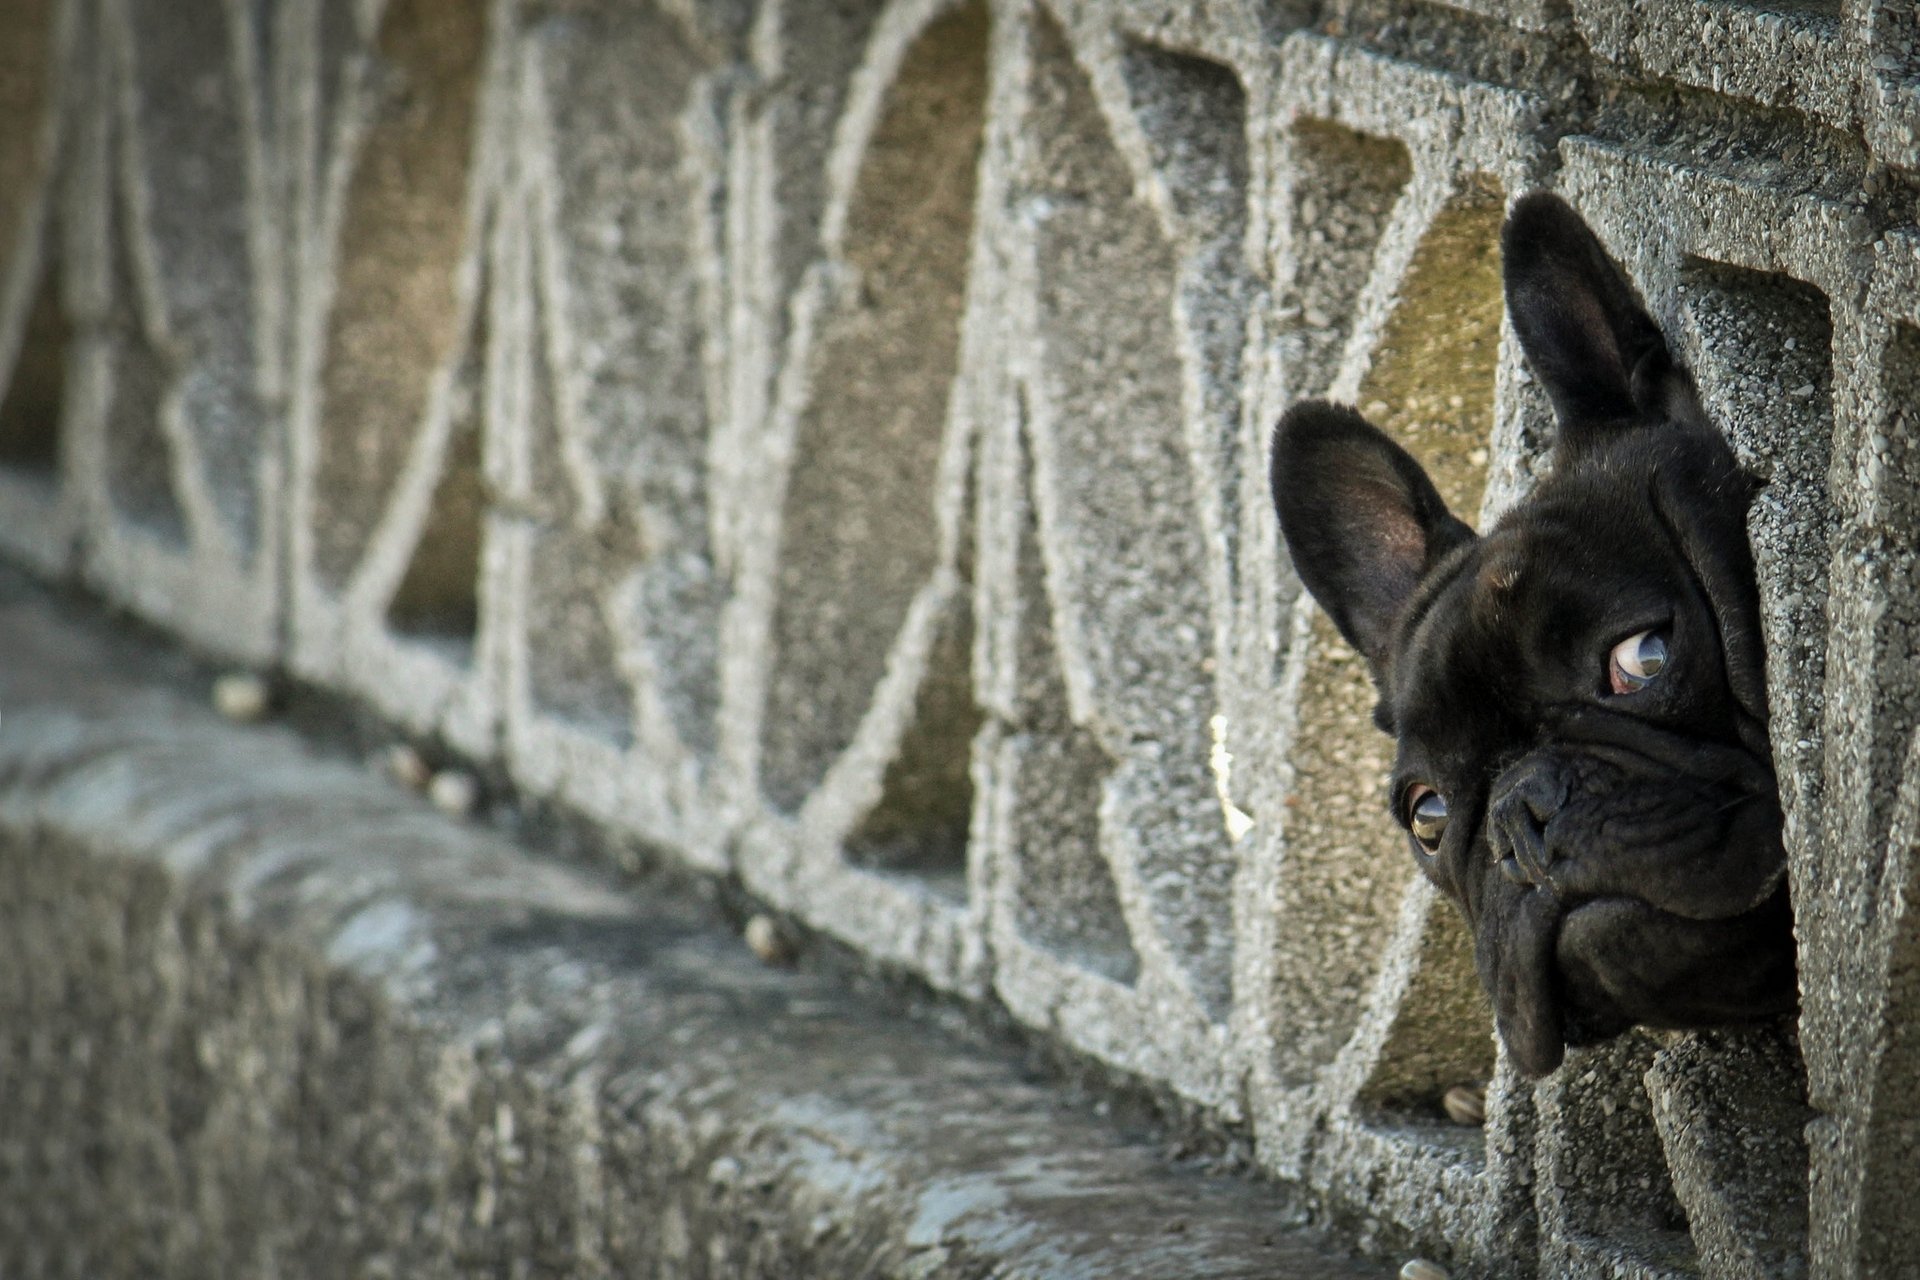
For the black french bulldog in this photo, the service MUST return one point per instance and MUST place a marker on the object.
(1577, 696)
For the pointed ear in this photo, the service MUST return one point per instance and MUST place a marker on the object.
(1362, 521)
(1587, 338)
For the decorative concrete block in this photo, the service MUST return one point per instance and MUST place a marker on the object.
(825, 444)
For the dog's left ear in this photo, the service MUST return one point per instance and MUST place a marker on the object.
(1601, 357)
(1362, 521)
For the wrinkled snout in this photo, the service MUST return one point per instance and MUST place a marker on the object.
(1630, 891)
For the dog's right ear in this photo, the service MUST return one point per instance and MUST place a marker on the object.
(1362, 521)
(1599, 354)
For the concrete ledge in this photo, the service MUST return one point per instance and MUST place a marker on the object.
(263, 1014)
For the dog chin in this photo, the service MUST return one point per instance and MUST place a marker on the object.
(1573, 977)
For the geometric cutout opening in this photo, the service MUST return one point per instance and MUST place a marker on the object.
(920, 825)
(1441, 1032)
(30, 410)
(821, 47)
(1067, 899)
(1432, 377)
(190, 137)
(1431, 386)
(1345, 867)
(1346, 186)
(437, 600)
(1731, 1111)
(1613, 1175)
(402, 234)
(859, 533)
(1766, 350)
(27, 77)
(1124, 525)
(35, 384)
(1763, 355)
(1194, 114)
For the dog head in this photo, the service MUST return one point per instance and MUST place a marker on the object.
(1577, 695)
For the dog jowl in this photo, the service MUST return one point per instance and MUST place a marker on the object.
(1577, 695)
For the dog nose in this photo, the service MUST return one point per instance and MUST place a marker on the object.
(1517, 825)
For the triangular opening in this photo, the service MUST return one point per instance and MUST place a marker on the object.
(572, 668)
(858, 533)
(922, 823)
(1345, 870)
(35, 398)
(402, 232)
(1432, 381)
(1194, 114)
(438, 599)
(1760, 345)
(1440, 1036)
(1344, 194)
(919, 827)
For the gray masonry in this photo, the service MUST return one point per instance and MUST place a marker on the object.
(823, 441)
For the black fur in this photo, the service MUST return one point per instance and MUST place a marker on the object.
(1618, 856)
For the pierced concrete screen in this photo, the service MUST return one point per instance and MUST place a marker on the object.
(826, 444)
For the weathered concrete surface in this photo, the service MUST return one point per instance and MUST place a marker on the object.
(266, 1014)
(824, 443)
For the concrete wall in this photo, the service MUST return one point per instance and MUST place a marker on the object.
(264, 1013)
(824, 440)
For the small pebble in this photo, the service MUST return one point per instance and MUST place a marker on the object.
(1421, 1269)
(404, 765)
(241, 696)
(1465, 1104)
(766, 940)
(454, 792)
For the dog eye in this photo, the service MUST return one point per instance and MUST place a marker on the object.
(1636, 662)
(1426, 816)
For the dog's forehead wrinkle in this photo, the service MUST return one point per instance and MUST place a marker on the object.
(1457, 687)
(1434, 584)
